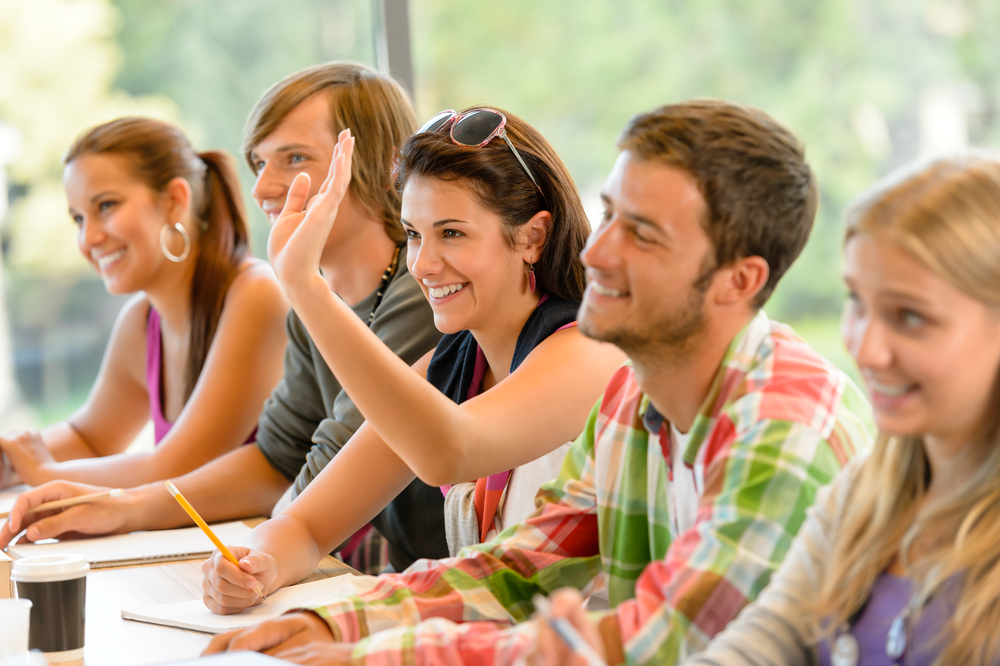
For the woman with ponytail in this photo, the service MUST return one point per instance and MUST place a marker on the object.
(200, 346)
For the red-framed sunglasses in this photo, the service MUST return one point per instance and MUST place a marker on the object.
(474, 129)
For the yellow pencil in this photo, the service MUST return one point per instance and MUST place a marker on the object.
(72, 501)
(226, 553)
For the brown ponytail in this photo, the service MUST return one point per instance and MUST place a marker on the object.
(156, 153)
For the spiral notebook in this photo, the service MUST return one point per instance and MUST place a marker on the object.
(188, 543)
(194, 616)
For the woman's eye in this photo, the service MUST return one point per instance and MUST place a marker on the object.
(452, 233)
(77, 219)
(105, 206)
(258, 166)
(411, 234)
(910, 319)
(295, 158)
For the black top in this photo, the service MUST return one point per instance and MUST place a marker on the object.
(454, 360)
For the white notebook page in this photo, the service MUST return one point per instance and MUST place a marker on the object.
(188, 543)
(194, 616)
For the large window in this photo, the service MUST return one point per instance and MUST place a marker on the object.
(866, 85)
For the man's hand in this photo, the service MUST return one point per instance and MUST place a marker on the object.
(26, 453)
(295, 630)
(230, 589)
(551, 650)
(319, 654)
(106, 516)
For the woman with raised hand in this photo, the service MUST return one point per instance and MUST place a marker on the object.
(495, 228)
(899, 561)
(199, 348)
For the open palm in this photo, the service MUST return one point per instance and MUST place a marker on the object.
(296, 241)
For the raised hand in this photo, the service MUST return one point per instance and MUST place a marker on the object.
(299, 234)
(229, 589)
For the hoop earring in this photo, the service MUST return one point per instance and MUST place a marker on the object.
(163, 243)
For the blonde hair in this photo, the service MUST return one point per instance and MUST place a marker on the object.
(375, 108)
(946, 214)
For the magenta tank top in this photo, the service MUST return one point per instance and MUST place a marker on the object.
(161, 426)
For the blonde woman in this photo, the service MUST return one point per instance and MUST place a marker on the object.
(899, 562)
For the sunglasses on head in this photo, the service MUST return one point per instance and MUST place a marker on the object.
(474, 129)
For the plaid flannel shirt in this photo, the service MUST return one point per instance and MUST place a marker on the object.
(778, 423)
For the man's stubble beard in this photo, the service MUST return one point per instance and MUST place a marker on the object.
(667, 342)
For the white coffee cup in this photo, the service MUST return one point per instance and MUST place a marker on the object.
(14, 614)
(56, 586)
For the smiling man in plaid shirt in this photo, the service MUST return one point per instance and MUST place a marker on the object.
(696, 468)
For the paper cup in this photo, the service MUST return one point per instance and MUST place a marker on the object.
(56, 586)
(14, 614)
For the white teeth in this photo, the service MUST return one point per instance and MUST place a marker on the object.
(606, 291)
(889, 391)
(107, 259)
(447, 290)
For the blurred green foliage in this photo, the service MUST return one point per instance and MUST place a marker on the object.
(852, 78)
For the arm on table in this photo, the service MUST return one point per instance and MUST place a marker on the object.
(114, 413)
(495, 581)
(242, 367)
(238, 485)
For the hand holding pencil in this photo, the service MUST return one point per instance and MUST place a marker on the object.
(63, 509)
(253, 584)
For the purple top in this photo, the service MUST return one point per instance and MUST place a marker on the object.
(161, 426)
(889, 596)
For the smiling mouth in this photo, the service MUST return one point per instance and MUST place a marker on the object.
(888, 391)
(105, 260)
(445, 291)
(602, 290)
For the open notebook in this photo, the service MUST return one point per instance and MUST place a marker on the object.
(188, 543)
(194, 616)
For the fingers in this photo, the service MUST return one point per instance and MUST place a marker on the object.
(339, 175)
(284, 632)
(318, 653)
(50, 491)
(229, 589)
(298, 194)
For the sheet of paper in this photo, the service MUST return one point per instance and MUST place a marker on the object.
(188, 543)
(194, 616)
(9, 495)
(232, 659)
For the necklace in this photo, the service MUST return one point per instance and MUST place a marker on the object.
(386, 277)
(846, 651)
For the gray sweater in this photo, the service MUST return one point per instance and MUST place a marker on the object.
(309, 417)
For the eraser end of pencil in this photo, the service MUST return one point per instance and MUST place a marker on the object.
(171, 488)
(117, 492)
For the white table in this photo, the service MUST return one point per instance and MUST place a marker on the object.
(112, 641)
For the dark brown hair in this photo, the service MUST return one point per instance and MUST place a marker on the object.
(374, 107)
(760, 193)
(156, 153)
(500, 183)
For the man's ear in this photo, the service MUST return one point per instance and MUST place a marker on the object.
(533, 235)
(741, 281)
(177, 199)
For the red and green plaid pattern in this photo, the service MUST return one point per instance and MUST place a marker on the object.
(779, 422)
